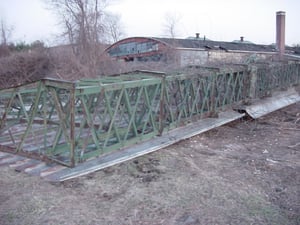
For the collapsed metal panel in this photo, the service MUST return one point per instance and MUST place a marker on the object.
(277, 101)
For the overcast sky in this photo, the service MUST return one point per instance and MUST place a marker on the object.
(221, 20)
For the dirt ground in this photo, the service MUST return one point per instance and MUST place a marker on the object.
(247, 172)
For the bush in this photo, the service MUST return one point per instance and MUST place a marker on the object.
(23, 67)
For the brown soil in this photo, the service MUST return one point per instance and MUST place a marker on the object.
(247, 172)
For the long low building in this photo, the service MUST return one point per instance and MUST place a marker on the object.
(190, 51)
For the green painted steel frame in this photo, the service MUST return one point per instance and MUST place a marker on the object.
(277, 77)
(70, 122)
(192, 97)
(115, 112)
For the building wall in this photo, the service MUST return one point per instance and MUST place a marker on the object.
(193, 57)
(202, 57)
(226, 57)
(237, 57)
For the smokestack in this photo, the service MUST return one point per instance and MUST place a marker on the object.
(197, 35)
(280, 33)
(242, 39)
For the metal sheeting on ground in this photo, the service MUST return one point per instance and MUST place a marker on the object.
(269, 104)
(145, 147)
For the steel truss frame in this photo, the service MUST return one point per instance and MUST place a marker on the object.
(70, 122)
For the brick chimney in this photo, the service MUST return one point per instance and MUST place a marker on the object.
(280, 33)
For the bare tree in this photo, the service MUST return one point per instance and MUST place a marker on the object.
(113, 28)
(5, 33)
(81, 20)
(85, 27)
(171, 22)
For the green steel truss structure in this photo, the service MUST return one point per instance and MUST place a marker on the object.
(70, 122)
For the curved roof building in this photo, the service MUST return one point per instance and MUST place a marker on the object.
(188, 51)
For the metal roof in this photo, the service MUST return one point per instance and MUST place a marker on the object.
(206, 44)
(216, 45)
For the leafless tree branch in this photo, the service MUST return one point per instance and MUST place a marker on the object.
(171, 23)
(87, 26)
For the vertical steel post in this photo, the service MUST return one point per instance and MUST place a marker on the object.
(31, 117)
(162, 105)
(72, 125)
(253, 82)
(7, 108)
(213, 108)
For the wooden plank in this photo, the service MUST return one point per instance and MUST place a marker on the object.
(10, 159)
(52, 169)
(19, 162)
(146, 147)
(4, 155)
(27, 164)
(36, 170)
